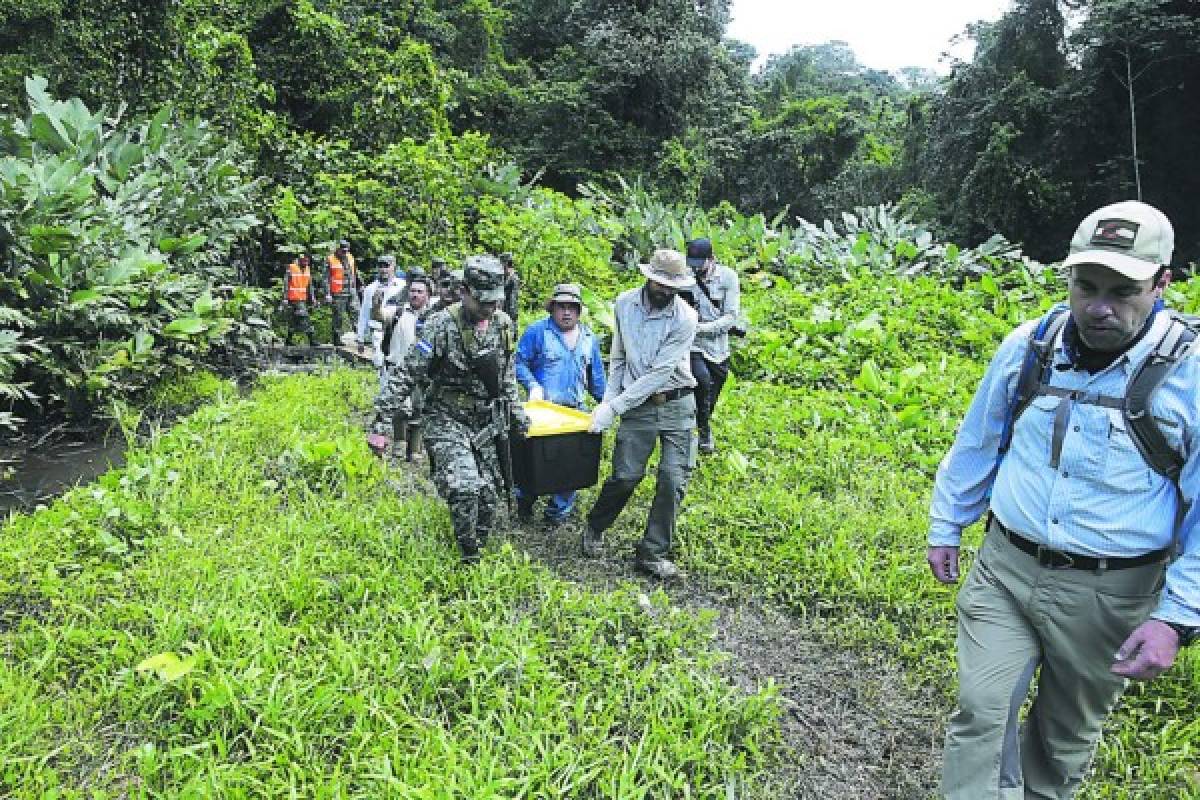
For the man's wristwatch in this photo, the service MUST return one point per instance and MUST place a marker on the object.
(1186, 633)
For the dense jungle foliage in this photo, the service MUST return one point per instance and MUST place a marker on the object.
(431, 128)
(161, 160)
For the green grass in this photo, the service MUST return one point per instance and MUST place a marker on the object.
(325, 642)
(336, 649)
(830, 520)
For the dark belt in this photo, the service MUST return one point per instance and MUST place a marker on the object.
(1056, 559)
(663, 397)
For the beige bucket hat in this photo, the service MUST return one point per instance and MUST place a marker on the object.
(669, 268)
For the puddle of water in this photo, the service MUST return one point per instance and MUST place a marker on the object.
(35, 477)
(29, 477)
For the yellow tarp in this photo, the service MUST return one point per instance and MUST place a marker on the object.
(551, 419)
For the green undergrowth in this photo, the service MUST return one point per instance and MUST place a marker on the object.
(247, 609)
(818, 497)
(830, 519)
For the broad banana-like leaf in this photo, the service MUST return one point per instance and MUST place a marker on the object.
(186, 326)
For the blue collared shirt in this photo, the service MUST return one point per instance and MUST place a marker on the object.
(567, 376)
(1103, 500)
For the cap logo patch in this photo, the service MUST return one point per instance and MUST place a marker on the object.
(1115, 233)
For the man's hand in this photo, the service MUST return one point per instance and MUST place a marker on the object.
(603, 417)
(1148, 652)
(943, 562)
(537, 393)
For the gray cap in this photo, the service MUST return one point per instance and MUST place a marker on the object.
(1130, 237)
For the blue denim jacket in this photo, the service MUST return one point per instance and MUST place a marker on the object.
(565, 375)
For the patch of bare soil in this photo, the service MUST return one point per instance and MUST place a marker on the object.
(852, 728)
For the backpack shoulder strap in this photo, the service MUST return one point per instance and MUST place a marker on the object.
(1033, 368)
(1175, 345)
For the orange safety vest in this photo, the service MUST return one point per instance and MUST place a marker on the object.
(337, 273)
(298, 281)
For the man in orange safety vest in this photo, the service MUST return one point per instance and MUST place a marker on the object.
(341, 289)
(298, 297)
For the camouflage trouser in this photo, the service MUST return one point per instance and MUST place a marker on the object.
(299, 321)
(343, 308)
(467, 476)
(392, 406)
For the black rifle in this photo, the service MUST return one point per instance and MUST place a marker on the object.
(486, 366)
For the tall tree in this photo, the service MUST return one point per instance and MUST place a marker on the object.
(993, 136)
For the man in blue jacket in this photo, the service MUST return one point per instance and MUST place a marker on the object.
(558, 359)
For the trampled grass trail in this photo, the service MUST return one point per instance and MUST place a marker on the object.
(314, 636)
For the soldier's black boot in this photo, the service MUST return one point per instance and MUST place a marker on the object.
(416, 445)
(593, 542)
(464, 512)
(485, 517)
(525, 508)
(469, 550)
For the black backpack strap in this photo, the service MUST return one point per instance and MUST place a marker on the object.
(1143, 428)
(1035, 369)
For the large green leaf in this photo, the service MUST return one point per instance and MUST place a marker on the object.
(204, 304)
(47, 239)
(167, 666)
(186, 326)
(84, 296)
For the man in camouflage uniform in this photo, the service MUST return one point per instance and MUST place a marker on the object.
(298, 300)
(461, 350)
(341, 289)
(512, 286)
(451, 288)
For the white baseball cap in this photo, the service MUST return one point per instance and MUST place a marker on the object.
(1132, 238)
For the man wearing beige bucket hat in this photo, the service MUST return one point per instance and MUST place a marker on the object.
(1080, 444)
(650, 388)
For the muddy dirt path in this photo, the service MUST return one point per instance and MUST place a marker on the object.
(852, 728)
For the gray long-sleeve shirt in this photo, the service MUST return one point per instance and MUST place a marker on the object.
(650, 350)
(718, 315)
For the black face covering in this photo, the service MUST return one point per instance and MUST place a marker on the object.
(658, 297)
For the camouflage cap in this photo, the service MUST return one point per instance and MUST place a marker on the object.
(485, 278)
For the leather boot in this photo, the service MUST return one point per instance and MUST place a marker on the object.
(464, 513)
(416, 445)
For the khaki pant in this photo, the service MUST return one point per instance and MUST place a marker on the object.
(1015, 616)
(641, 429)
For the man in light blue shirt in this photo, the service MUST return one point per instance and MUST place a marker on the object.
(650, 388)
(558, 359)
(1074, 577)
